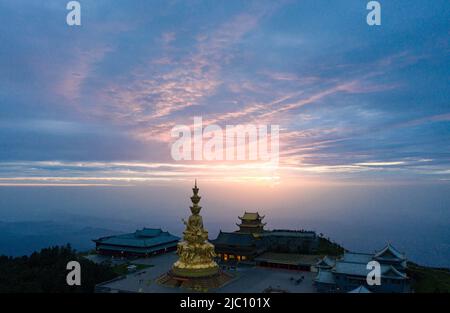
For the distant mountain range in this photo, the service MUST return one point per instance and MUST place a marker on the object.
(23, 238)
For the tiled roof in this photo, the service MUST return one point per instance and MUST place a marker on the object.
(360, 269)
(291, 233)
(251, 216)
(136, 249)
(392, 272)
(325, 277)
(252, 225)
(148, 232)
(352, 257)
(390, 253)
(326, 262)
(238, 239)
(360, 289)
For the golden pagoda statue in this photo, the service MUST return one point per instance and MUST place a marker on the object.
(196, 254)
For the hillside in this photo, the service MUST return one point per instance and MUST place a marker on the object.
(45, 271)
(429, 279)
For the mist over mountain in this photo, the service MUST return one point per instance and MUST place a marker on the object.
(23, 238)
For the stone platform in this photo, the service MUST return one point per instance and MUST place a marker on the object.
(204, 283)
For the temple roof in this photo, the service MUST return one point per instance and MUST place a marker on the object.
(353, 257)
(148, 232)
(148, 249)
(238, 239)
(360, 289)
(251, 216)
(291, 233)
(389, 253)
(325, 277)
(360, 269)
(252, 225)
(326, 262)
(392, 272)
(145, 237)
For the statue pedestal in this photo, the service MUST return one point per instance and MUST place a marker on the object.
(190, 272)
(216, 279)
(196, 260)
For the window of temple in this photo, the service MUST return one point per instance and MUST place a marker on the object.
(225, 257)
(238, 257)
(243, 258)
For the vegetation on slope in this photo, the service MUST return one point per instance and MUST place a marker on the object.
(45, 271)
(429, 279)
(327, 247)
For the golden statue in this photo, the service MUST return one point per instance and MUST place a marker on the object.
(195, 252)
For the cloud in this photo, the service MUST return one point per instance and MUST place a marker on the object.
(63, 173)
(345, 106)
(381, 163)
(81, 65)
(179, 84)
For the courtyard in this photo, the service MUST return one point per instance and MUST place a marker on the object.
(246, 279)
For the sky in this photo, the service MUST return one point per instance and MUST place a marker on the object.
(94, 105)
(86, 114)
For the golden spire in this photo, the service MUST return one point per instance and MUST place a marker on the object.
(195, 209)
(195, 252)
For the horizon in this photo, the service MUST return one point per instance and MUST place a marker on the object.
(87, 115)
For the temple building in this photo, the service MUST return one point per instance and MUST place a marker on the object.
(251, 223)
(238, 246)
(290, 241)
(350, 272)
(142, 243)
(288, 261)
(252, 244)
